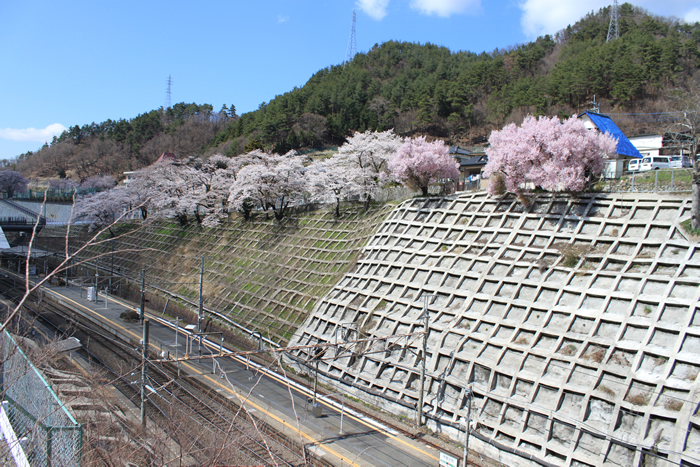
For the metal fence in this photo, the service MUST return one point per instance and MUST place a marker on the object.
(50, 435)
(654, 181)
(53, 193)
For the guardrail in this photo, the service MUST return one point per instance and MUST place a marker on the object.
(653, 181)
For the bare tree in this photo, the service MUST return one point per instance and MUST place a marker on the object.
(685, 133)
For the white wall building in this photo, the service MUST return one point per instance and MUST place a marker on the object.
(647, 145)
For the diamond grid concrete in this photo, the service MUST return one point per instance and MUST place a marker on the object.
(588, 361)
(263, 275)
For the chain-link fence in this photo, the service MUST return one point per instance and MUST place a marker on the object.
(654, 181)
(49, 435)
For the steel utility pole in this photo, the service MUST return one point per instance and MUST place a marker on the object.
(426, 319)
(200, 317)
(143, 295)
(144, 356)
(465, 460)
(111, 267)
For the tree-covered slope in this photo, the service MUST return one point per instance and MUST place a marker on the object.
(421, 89)
(426, 88)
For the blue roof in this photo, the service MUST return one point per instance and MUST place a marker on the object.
(606, 125)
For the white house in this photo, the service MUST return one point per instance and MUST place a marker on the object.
(648, 145)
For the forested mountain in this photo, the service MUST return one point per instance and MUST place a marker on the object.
(415, 89)
(460, 95)
(112, 147)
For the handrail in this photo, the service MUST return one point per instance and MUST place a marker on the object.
(28, 212)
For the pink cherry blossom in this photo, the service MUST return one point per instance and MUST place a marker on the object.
(549, 154)
(419, 163)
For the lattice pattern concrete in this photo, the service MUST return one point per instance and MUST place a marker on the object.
(263, 275)
(576, 321)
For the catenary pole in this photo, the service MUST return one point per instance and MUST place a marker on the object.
(200, 316)
(144, 355)
(426, 319)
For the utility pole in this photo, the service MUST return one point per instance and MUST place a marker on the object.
(143, 295)
(465, 460)
(144, 356)
(111, 268)
(426, 319)
(200, 317)
(318, 353)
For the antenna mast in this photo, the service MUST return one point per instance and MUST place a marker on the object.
(168, 95)
(613, 29)
(352, 45)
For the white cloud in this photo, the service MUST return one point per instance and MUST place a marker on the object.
(374, 8)
(693, 16)
(541, 17)
(282, 19)
(446, 8)
(32, 134)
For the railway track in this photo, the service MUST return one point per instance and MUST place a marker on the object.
(204, 423)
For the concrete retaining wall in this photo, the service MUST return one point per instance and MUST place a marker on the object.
(576, 323)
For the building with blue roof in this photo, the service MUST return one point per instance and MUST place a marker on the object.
(625, 149)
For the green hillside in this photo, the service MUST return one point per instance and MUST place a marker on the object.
(264, 275)
(459, 96)
(429, 89)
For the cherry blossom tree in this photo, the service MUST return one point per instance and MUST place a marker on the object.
(12, 182)
(102, 209)
(328, 181)
(98, 182)
(549, 154)
(368, 154)
(273, 182)
(419, 163)
(173, 191)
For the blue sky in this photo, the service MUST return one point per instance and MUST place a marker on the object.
(75, 62)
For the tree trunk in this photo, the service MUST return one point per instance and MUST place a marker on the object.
(337, 207)
(424, 189)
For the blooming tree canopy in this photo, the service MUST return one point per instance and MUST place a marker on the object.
(368, 153)
(548, 153)
(12, 181)
(419, 163)
(327, 181)
(102, 209)
(272, 181)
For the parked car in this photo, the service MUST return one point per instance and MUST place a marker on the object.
(680, 162)
(655, 163)
(633, 166)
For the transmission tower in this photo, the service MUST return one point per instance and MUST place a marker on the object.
(168, 95)
(352, 45)
(613, 29)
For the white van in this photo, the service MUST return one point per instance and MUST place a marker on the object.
(655, 163)
(680, 162)
(633, 166)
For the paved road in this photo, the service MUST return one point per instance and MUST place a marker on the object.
(268, 395)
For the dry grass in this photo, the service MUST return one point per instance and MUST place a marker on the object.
(595, 354)
(568, 349)
(639, 399)
(675, 405)
(607, 390)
